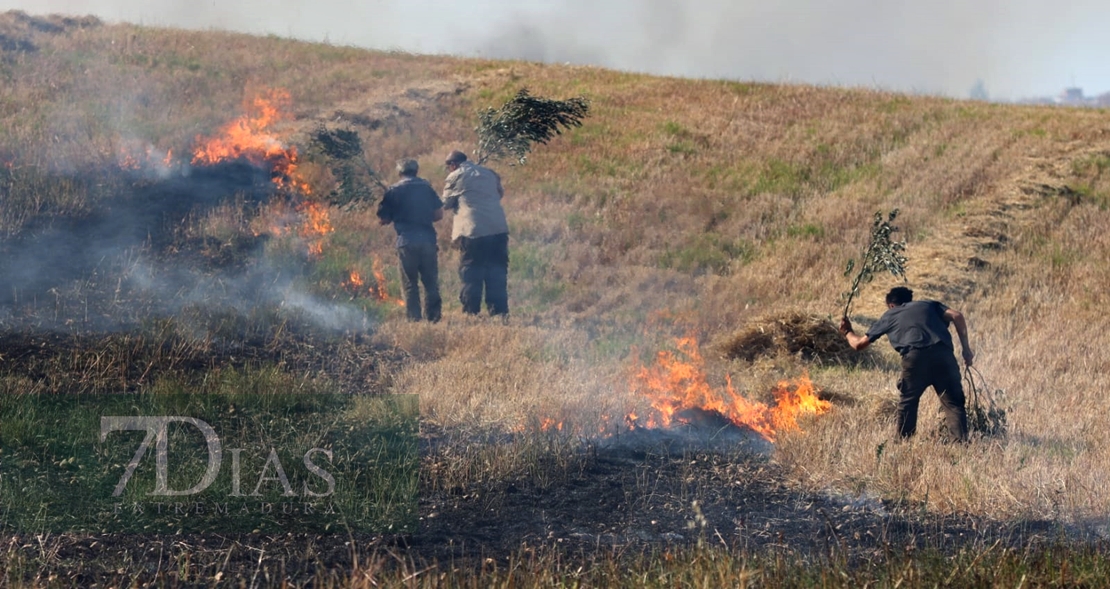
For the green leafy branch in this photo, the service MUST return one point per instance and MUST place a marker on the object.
(511, 131)
(881, 254)
(344, 146)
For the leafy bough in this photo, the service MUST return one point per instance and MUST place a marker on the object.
(344, 147)
(882, 254)
(511, 131)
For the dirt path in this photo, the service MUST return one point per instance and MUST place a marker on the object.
(952, 262)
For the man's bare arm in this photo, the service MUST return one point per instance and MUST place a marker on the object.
(858, 342)
(956, 318)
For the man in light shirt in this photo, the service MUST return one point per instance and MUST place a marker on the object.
(480, 232)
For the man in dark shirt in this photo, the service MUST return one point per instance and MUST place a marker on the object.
(412, 205)
(918, 330)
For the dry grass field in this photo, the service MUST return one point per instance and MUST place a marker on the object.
(681, 208)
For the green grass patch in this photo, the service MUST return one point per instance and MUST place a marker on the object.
(731, 176)
(681, 148)
(896, 104)
(1060, 257)
(531, 278)
(527, 261)
(743, 88)
(673, 128)
(1037, 132)
(705, 565)
(241, 461)
(782, 177)
(831, 176)
(805, 231)
(1091, 165)
(578, 221)
(709, 252)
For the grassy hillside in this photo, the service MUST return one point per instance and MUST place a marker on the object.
(680, 207)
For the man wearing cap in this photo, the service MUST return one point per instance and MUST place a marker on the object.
(412, 205)
(481, 233)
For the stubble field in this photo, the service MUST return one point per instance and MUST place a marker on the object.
(680, 209)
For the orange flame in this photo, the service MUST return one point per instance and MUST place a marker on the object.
(378, 290)
(542, 424)
(316, 226)
(355, 281)
(250, 137)
(792, 404)
(673, 384)
(548, 424)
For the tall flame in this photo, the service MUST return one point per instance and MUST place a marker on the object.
(377, 290)
(677, 381)
(251, 137)
(316, 226)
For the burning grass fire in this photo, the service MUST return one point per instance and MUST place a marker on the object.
(357, 284)
(316, 226)
(252, 157)
(679, 392)
(252, 138)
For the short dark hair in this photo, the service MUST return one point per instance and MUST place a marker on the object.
(407, 167)
(456, 157)
(899, 295)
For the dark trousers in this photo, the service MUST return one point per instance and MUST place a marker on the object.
(933, 366)
(484, 265)
(419, 263)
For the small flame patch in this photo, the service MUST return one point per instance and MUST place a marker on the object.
(676, 386)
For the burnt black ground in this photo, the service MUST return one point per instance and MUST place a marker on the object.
(642, 491)
(135, 211)
(635, 498)
(621, 502)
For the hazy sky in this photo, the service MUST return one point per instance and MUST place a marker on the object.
(1019, 48)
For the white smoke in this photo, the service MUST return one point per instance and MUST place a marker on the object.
(333, 316)
(1018, 48)
(259, 286)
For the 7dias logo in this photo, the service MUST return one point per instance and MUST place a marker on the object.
(155, 428)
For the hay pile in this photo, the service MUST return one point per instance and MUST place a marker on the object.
(811, 337)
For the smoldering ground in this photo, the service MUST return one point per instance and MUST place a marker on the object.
(125, 259)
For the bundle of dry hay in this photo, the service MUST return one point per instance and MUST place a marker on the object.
(812, 337)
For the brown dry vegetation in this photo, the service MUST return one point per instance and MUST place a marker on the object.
(680, 206)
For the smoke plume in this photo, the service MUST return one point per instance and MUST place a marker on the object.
(1017, 49)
